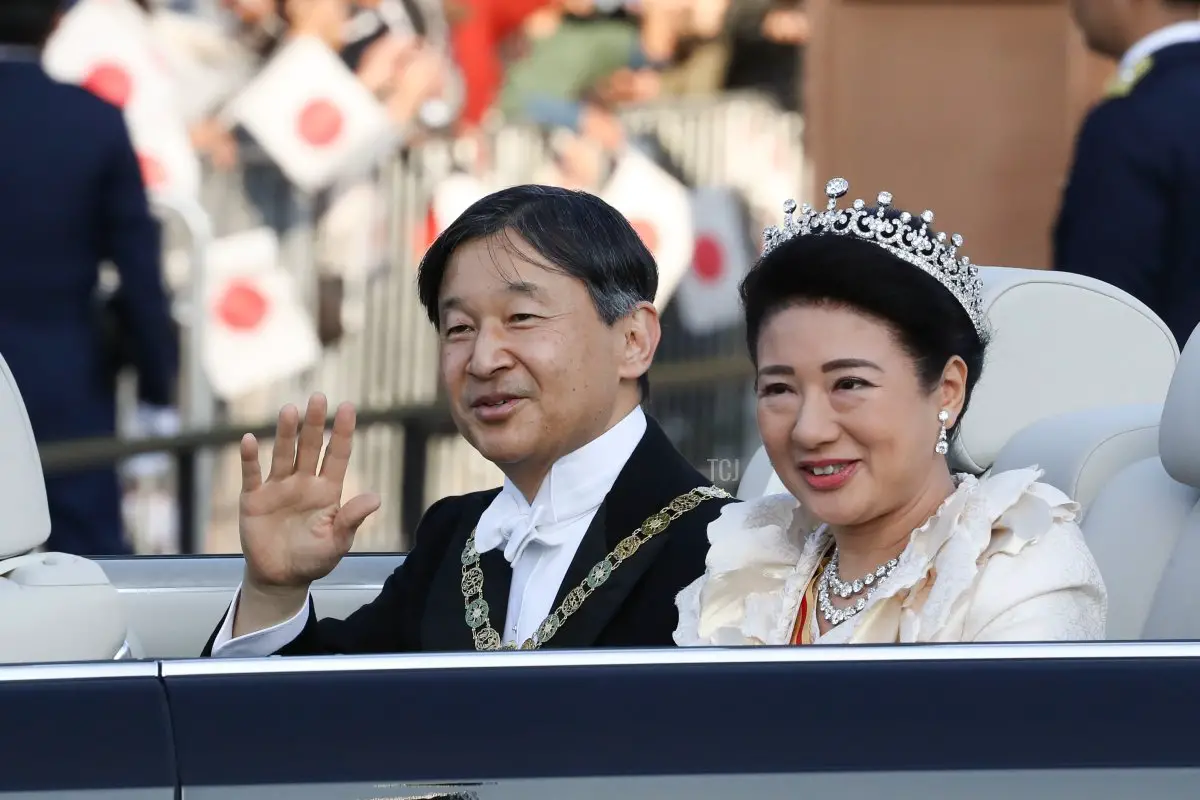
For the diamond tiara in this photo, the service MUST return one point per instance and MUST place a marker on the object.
(902, 237)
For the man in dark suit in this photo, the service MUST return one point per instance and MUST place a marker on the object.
(1130, 205)
(71, 197)
(543, 300)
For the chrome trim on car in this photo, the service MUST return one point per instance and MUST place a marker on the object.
(683, 657)
(168, 574)
(80, 671)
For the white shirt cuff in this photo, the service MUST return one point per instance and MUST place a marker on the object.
(260, 643)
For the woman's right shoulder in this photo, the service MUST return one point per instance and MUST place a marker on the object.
(753, 530)
(761, 541)
(768, 510)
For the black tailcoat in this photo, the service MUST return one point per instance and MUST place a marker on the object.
(421, 606)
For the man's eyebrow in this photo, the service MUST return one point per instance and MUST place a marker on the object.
(525, 288)
(450, 304)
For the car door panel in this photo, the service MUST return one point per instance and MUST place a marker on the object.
(93, 731)
(651, 724)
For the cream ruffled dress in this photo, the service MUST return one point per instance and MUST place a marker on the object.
(1003, 559)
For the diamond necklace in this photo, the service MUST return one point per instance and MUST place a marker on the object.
(830, 581)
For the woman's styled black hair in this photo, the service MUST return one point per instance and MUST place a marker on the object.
(928, 321)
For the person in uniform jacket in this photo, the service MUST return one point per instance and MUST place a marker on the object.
(543, 301)
(72, 198)
(1133, 195)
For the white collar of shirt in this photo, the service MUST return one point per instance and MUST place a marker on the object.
(576, 486)
(1178, 33)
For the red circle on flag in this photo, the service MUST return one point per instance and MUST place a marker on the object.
(153, 174)
(320, 123)
(110, 82)
(647, 232)
(708, 262)
(242, 306)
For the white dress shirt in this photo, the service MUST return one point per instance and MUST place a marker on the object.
(1178, 33)
(539, 539)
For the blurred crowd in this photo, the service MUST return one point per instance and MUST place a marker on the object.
(330, 90)
(455, 67)
(269, 94)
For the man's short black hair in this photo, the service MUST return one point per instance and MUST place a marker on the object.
(576, 232)
(28, 22)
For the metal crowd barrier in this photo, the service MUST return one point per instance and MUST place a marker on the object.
(198, 407)
(420, 424)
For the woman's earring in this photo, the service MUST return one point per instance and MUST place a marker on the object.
(943, 443)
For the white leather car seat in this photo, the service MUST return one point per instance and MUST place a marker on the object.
(53, 606)
(1144, 526)
(759, 478)
(1080, 451)
(1061, 343)
(1114, 423)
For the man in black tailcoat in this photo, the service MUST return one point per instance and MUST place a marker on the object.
(1130, 204)
(543, 301)
(71, 199)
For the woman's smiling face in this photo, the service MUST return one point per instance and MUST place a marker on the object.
(843, 414)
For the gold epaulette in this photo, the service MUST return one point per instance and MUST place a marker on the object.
(1122, 84)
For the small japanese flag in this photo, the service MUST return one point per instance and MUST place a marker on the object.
(708, 294)
(313, 116)
(659, 209)
(170, 166)
(105, 46)
(259, 246)
(257, 329)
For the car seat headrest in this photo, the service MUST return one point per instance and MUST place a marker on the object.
(1060, 342)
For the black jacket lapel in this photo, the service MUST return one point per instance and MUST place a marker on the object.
(444, 627)
(654, 476)
(592, 549)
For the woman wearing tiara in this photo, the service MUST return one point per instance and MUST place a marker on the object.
(868, 336)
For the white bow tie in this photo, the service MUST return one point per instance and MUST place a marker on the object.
(514, 528)
(514, 533)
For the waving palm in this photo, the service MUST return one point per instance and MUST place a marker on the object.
(293, 526)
